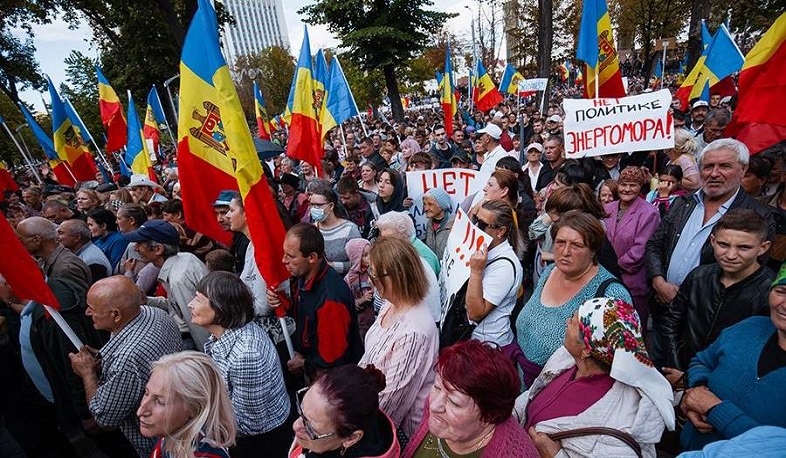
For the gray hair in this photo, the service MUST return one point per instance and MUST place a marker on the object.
(739, 148)
(80, 228)
(169, 250)
(42, 227)
(288, 160)
(685, 142)
(719, 116)
(399, 222)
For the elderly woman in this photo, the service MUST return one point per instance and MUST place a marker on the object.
(494, 282)
(130, 217)
(574, 277)
(469, 409)
(438, 208)
(247, 361)
(683, 154)
(631, 222)
(403, 341)
(340, 416)
(103, 228)
(87, 200)
(186, 405)
(600, 377)
(368, 178)
(736, 384)
(326, 214)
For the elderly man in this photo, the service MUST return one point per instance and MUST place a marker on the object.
(698, 113)
(490, 139)
(714, 125)
(57, 211)
(39, 237)
(115, 376)
(143, 190)
(158, 242)
(74, 234)
(32, 198)
(681, 242)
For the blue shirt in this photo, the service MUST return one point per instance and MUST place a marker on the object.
(113, 244)
(29, 361)
(687, 251)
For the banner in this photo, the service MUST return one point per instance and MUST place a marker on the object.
(458, 183)
(533, 85)
(594, 127)
(464, 239)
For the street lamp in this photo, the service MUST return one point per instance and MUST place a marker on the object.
(169, 93)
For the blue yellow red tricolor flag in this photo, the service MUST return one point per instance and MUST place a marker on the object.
(579, 77)
(137, 156)
(216, 147)
(509, 83)
(657, 74)
(596, 49)
(260, 112)
(69, 146)
(59, 168)
(486, 95)
(762, 85)
(564, 71)
(321, 88)
(447, 95)
(150, 130)
(304, 128)
(111, 114)
(340, 104)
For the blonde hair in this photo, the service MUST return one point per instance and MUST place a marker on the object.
(395, 257)
(192, 378)
(685, 142)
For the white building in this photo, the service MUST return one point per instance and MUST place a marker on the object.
(258, 24)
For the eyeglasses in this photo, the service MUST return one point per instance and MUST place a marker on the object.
(313, 435)
(372, 275)
(319, 205)
(482, 225)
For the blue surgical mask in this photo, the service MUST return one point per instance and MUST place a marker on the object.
(318, 214)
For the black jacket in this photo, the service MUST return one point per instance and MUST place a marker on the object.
(704, 307)
(661, 245)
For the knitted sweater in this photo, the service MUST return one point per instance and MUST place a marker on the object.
(336, 239)
(510, 440)
(729, 368)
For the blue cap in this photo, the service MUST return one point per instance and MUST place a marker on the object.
(225, 197)
(156, 230)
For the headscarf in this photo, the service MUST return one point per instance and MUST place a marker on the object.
(354, 249)
(442, 198)
(396, 201)
(610, 330)
(780, 279)
(632, 174)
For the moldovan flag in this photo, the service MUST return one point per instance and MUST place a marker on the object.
(579, 77)
(321, 86)
(509, 83)
(68, 144)
(340, 104)
(137, 156)
(216, 147)
(59, 168)
(596, 49)
(564, 70)
(111, 115)
(304, 139)
(757, 120)
(150, 130)
(447, 95)
(719, 60)
(20, 270)
(260, 111)
(486, 95)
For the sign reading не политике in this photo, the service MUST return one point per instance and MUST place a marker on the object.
(594, 127)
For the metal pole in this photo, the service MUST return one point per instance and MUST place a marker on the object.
(24, 156)
(663, 66)
(597, 80)
(171, 100)
(92, 139)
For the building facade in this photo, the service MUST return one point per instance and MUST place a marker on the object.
(258, 24)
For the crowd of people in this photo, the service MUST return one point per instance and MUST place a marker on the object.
(625, 305)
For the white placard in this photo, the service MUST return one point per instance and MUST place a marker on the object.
(594, 127)
(533, 85)
(458, 183)
(464, 239)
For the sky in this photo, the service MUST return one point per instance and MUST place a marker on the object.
(55, 41)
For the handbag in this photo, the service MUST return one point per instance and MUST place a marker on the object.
(599, 431)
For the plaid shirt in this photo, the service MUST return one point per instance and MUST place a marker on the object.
(248, 362)
(125, 368)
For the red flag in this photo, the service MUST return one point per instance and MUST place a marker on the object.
(20, 271)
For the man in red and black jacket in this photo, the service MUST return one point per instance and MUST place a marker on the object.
(327, 331)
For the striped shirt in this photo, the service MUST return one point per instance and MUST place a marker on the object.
(406, 352)
(336, 239)
(125, 368)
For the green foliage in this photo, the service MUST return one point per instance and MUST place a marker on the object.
(81, 89)
(273, 69)
(367, 86)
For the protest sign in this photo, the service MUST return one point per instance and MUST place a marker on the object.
(531, 86)
(594, 127)
(458, 183)
(464, 239)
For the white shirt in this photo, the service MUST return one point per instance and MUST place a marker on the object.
(500, 288)
(490, 161)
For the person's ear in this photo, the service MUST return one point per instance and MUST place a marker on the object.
(764, 247)
(353, 439)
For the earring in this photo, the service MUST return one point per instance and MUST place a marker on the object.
(343, 450)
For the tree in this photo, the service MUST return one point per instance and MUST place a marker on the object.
(379, 34)
(81, 89)
(18, 67)
(272, 69)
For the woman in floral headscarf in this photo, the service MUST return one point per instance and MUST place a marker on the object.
(601, 377)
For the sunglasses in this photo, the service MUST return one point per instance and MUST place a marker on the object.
(313, 435)
(482, 225)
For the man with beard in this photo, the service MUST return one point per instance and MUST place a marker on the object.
(698, 113)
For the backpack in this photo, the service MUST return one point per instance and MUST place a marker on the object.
(456, 326)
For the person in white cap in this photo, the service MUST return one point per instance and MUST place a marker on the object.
(698, 113)
(554, 125)
(143, 189)
(533, 166)
(490, 136)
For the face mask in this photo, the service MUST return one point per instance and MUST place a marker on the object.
(318, 214)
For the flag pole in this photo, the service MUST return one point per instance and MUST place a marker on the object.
(24, 144)
(24, 156)
(597, 80)
(92, 139)
(166, 121)
(663, 67)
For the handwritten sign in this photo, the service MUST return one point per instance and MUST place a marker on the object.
(464, 239)
(458, 183)
(594, 127)
(533, 85)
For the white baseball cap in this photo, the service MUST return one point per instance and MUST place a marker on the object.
(699, 103)
(536, 146)
(493, 130)
(554, 118)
